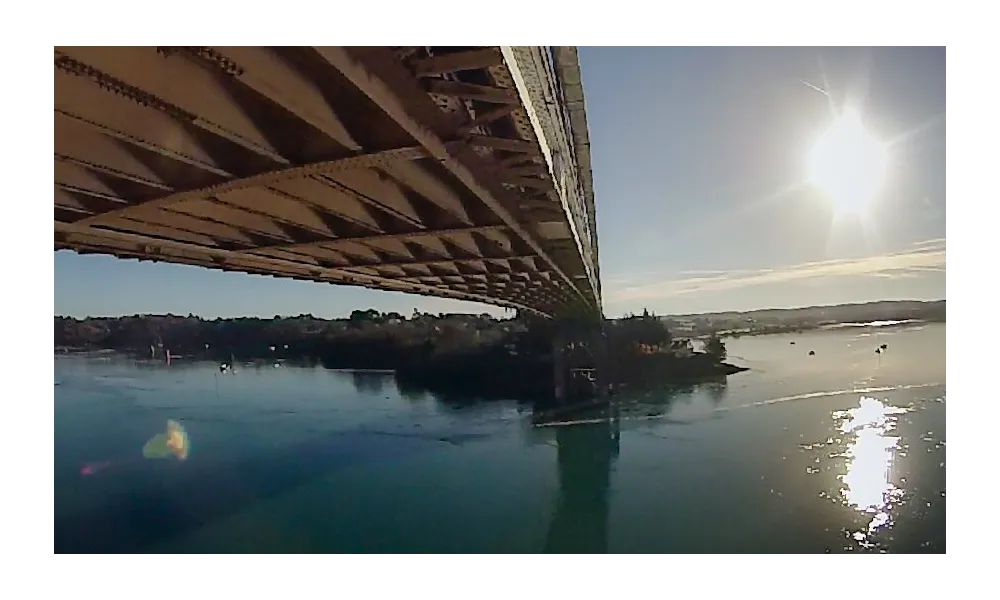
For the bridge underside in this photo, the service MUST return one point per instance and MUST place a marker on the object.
(404, 168)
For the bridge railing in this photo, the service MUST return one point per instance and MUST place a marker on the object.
(537, 73)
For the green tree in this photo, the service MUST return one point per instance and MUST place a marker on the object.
(644, 329)
(365, 315)
(715, 347)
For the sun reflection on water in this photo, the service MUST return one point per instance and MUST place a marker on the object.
(867, 486)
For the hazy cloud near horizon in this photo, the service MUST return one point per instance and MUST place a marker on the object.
(922, 257)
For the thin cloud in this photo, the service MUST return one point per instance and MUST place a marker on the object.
(926, 256)
(937, 243)
(716, 273)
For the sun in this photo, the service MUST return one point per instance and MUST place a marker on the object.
(848, 163)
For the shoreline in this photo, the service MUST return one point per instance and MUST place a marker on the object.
(883, 325)
(490, 377)
(481, 358)
(722, 333)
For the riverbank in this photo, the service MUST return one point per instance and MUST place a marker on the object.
(493, 375)
(468, 355)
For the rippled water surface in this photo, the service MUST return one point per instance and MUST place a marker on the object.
(843, 451)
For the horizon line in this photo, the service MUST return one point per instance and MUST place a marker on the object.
(719, 312)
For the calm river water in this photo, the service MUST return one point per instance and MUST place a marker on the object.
(843, 451)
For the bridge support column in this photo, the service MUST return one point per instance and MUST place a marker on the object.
(602, 375)
(560, 370)
(579, 359)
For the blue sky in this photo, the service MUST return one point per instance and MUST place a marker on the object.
(699, 170)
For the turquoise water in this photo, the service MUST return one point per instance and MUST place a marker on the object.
(843, 451)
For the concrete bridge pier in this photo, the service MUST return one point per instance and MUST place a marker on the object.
(559, 365)
(579, 360)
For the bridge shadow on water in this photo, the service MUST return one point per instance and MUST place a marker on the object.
(588, 438)
(167, 500)
(586, 454)
(373, 383)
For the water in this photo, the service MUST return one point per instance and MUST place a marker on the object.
(843, 451)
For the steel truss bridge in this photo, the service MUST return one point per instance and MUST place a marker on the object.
(458, 172)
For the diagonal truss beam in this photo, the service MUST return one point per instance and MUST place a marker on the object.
(486, 118)
(471, 91)
(359, 74)
(69, 229)
(362, 161)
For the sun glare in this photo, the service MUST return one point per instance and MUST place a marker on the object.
(848, 163)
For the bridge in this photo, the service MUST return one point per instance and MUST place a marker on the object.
(458, 172)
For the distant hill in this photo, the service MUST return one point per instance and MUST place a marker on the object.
(884, 310)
